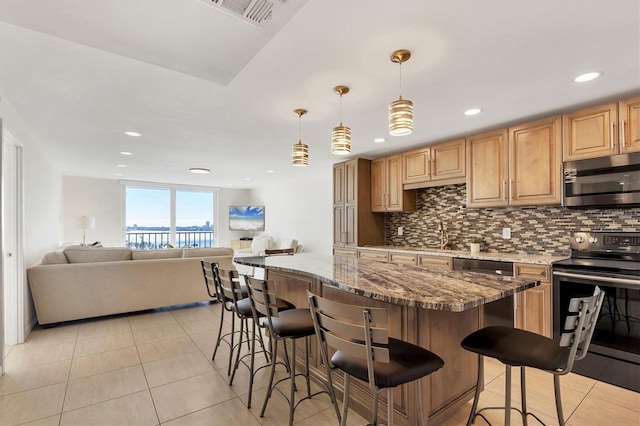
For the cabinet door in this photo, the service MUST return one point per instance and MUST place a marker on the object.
(535, 163)
(435, 262)
(590, 133)
(338, 225)
(403, 258)
(351, 181)
(378, 190)
(394, 191)
(448, 160)
(338, 183)
(378, 255)
(487, 169)
(351, 225)
(629, 125)
(416, 166)
(533, 306)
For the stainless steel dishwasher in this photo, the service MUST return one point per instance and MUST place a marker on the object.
(499, 312)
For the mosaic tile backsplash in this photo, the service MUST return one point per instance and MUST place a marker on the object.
(534, 230)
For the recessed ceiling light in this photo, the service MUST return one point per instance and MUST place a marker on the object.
(379, 140)
(271, 171)
(247, 178)
(135, 134)
(472, 111)
(583, 78)
(126, 153)
(120, 165)
(199, 170)
(118, 174)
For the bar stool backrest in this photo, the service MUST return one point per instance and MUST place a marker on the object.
(211, 281)
(263, 297)
(357, 331)
(580, 324)
(229, 284)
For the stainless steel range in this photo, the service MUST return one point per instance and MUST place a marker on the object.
(610, 260)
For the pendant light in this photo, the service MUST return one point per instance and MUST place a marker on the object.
(300, 152)
(400, 111)
(341, 135)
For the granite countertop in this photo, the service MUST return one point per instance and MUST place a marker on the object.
(398, 284)
(466, 254)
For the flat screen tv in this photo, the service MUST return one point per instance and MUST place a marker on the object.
(246, 218)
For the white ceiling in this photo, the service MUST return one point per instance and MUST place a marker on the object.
(210, 90)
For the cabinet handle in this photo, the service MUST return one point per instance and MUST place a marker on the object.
(612, 133)
(623, 134)
(504, 184)
(511, 189)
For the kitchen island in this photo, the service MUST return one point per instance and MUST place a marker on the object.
(434, 309)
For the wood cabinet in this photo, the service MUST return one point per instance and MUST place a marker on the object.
(353, 222)
(380, 255)
(387, 194)
(240, 244)
(440, 164)
(517, 166)
(629, 111)
(533, 306)
(602, 130)
(403, 258)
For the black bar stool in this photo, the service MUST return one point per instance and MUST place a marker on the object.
(292, 324)
(521, 348)
(364, 350)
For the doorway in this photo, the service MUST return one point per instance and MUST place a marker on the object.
(12, 277)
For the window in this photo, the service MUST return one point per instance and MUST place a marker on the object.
(168, 216)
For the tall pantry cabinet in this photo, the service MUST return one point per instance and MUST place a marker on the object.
(353, 222)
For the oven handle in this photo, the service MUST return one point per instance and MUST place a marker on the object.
(597, 278)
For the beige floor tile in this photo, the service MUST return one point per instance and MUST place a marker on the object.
(594, 411)
(151, 320)
(135, 409)
(229, 413)
(103, 362)
(7, 349)
(616, 395)
(52, 336)
(14, 381)
(103, 327)
(31, 405)
(101, 387)
(149, 335)
(196, 327)
(187, 396)
(170, 370)
(168, 348)
(47, 421)
(23, 356)
(198, 313)
(106, 343)
(328, 417)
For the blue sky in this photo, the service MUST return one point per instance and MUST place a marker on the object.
(151, 207)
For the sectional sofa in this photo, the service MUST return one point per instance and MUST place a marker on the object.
(84, 282)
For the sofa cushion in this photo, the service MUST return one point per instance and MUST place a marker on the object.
(208, 251)
(260, 244)
(54, 258)
(82, 254)
(156, 254)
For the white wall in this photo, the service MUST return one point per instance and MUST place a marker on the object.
(300, 209)
(42, 183)
(91, 197)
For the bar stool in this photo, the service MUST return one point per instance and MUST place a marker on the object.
(286, 325)
(364, 350)
(212, 281)
(521, 348)
(242, 308)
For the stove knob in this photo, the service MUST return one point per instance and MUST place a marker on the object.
(579, 239)
(593, 240)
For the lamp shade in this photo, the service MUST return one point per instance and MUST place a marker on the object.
(400, 117)
(88, 222)
(341, 140)
(300, 154)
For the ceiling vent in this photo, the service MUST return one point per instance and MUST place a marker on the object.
(254, 11)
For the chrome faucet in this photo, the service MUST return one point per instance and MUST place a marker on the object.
(444, 238)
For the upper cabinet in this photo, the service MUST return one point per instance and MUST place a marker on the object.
(387, 193)
(353, 222)
(440, 164)
(521, 165)
(603, 130)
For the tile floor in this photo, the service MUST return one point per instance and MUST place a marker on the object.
(154, 368)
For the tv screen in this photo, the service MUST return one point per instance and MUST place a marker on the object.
(246, 218)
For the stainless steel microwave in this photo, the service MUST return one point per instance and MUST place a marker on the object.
(603, 182)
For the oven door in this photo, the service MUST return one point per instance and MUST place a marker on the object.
(615, 347)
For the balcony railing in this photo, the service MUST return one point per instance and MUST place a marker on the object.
(156, 240)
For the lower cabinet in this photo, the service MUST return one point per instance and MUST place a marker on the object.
(533, 306)
(381, 255)
(345, 252)
(435, 262)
